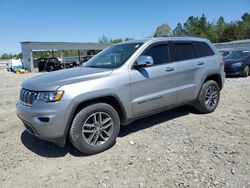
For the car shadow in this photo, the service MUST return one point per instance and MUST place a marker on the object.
(51, 150)
(233, 76)
(153, 120)
(48, 149)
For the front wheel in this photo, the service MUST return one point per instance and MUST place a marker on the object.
(245, 71)
(95, 128)
(208, 98)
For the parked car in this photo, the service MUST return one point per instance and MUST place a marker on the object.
(225, 53)
(85, 59)
(41, 63)
(48, 64)
(237, 63)
(119, 85)
(70, 62)
(52, 64)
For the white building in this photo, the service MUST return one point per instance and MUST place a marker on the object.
(28, 47)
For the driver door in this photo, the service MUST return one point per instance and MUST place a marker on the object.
(153, 87)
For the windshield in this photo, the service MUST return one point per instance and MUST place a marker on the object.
(114, 56)
(238, 55)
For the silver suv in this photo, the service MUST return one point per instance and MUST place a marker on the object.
(122, 83)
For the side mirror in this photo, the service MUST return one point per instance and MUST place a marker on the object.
(144, 61)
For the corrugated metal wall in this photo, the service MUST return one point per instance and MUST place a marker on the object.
(234, 45)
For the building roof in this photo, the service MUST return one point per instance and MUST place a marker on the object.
(35, 45)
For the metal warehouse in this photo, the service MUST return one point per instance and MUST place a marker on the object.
(234, 45)
(28, 47)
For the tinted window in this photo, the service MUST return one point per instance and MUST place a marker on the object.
(160, 54)
(184, 51)
(238, 55)
(203, 49)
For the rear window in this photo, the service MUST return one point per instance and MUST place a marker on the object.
(184, 51)
(203, 49)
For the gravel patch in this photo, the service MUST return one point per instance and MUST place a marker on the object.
(176, 148)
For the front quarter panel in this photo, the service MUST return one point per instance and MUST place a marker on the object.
(116, 84)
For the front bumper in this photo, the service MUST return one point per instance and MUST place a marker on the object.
(233, 71)
(48, 121)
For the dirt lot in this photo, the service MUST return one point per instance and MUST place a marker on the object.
(177, 148)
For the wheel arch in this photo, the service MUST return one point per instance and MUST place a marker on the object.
(109, 99)
(215, 77)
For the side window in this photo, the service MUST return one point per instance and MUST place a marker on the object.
(203, 49)
(184, 51)
(160, 54)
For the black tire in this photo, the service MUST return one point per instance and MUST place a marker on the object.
(201, 105)
(245, 71)
(51, 68)
(77, 137)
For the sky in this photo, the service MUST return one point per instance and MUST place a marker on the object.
(88, 20)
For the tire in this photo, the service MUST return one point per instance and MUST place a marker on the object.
(84, 123)
(208, 98)
(245, 71)
(51, 68)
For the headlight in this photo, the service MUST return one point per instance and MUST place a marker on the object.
(50, 96)
(237, 64)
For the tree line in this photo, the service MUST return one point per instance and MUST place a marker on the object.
(10, 56)
(219, 31)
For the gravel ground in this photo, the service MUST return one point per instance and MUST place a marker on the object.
(177, 148)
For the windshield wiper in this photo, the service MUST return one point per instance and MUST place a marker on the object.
(92, 66)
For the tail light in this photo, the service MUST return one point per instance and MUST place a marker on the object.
(222, 61)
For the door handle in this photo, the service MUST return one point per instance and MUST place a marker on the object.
(168, 69)
(200, 63)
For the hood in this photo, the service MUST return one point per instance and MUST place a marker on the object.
(51, 81)
(232, 61)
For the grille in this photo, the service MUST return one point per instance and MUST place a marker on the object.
(27, 97)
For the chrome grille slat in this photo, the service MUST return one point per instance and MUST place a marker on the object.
(27, 97)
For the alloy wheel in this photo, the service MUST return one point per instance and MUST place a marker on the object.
(98, 128)
(211, 97)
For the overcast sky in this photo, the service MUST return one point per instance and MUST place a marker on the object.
(88, 20)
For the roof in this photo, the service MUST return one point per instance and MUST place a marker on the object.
(47, 42)
(35, 45)
(233, 42)
(165, 38)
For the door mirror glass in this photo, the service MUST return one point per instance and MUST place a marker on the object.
(144, 61)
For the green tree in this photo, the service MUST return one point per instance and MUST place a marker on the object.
(18, 56)
(105, 40)
(115, 41)
(191, 25)
(6, 56)
(230, 32)
(179, 30)
(197, 26)
(244, 27)
(162, 30)
(220, 28)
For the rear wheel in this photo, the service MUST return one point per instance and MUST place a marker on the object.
(95, 128)
(246, 71)
(208, 98)
(51, 68)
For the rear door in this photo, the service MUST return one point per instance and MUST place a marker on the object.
(188, 71)
(153, 87)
